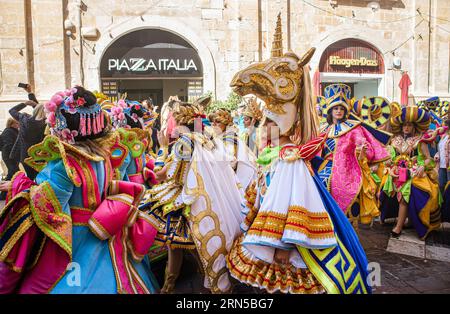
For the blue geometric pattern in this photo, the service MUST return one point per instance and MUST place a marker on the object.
(325, 174)
(341, 269)
(334, 89)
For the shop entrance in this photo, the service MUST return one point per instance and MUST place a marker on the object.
(151, 63)
(356, 63)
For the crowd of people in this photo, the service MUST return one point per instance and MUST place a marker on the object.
(270, 198)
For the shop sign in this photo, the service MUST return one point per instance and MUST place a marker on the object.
(151, 62)
(361, 62)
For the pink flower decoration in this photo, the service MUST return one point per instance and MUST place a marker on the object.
(137, 107)
(122, 103)
(67, 92)
(51, 119)
(121, 116)
(116, 110)
(50, 106)
(81, 101)
(68, 135)
(57, 99)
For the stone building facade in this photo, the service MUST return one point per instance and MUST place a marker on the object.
(53, 44)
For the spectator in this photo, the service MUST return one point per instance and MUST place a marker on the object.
(147, 103)
(7, 140)
(443, 157)
(31, 130)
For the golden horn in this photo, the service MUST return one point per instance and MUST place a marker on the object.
(277, 44)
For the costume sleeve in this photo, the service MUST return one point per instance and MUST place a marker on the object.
(161, 157)
(15, 112)
(231, 143)
(32, 96)
(181, 155)
(250, 206)
(36, 214)
(123, 175)
(55, 175)
(375, 152)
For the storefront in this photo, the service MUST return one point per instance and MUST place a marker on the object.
(356, 63)
(151, 63)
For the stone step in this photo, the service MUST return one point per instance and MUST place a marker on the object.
(436, 247)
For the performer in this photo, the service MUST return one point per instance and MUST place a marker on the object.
(349, 152)
(74, 230)
(410, 186)
(252, 115)
(443, 158)
(133, 123)
(376, 112)
(198, 202)
(242, 159)
(293, 226)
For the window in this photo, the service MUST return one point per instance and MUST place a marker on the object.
(195, 90)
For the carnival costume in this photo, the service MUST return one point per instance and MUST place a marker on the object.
(401, 181)
(198, 205)
(345, 170)
(250, 135)
(74, 230)
(133, 123)
(290, 209)
(376, 112)
(242, 159)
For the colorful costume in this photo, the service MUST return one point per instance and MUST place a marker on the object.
(290, 209)
(132, 121)
(242, 159)
(74, 230)
(346, 171)
(198, 205)
(250, 135)
(421, 193)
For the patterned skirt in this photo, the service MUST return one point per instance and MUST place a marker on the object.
(274, 277)
(173, 229)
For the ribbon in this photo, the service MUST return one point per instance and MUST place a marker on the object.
(128, 231)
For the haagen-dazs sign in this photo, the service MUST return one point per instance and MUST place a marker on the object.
(152, 62)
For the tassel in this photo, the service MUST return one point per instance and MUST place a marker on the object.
(99, 124)
(83, 125)
(102, 120)
(94, 124)
(88, 123)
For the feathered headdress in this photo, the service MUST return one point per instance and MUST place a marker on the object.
(186, 113)
(221, 116)
(73, 101)
(252, 109)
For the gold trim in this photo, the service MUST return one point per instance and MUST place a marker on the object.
(271, 277)
(200, 240)
(27, 223)
(98, 230)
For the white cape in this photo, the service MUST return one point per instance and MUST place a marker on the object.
(212, 191)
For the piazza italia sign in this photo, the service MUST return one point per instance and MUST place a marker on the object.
(151, 62)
